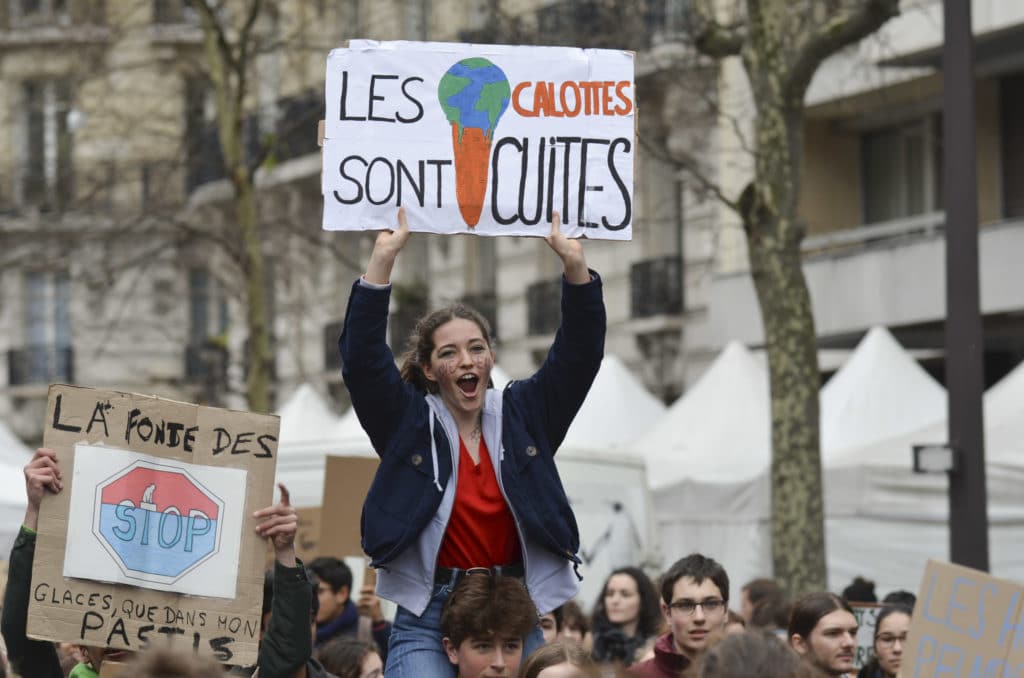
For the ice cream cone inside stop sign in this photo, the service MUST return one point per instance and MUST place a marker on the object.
(474, 93)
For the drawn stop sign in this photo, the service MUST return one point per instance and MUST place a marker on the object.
(158, 522)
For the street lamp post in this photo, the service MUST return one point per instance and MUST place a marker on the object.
(968, 513)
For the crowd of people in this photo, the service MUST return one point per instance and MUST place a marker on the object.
(472, 536)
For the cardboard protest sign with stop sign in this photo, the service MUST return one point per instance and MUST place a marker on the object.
(152, 538)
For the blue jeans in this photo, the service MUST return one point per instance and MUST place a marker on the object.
(415, 649)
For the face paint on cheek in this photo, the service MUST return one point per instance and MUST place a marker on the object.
(482, 362)
(446, 367)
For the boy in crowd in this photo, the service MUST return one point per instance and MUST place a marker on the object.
(338, 615)
(484, 623)
(694, 601)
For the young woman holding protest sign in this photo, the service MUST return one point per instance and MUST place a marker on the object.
(467, 478)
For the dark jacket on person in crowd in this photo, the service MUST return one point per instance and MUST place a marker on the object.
(286, 645)
(666, 662)
(346, 625)
(36, 658)
(416, 438)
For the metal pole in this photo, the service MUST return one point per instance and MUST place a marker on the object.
(968, 514)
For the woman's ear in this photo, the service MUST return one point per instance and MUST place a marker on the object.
(428, 372)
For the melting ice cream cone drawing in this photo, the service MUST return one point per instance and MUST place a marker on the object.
(474, 93)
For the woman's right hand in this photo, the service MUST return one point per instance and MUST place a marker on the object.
(385, 250)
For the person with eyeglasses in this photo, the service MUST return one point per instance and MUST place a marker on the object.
(891, 628)
(694, 602)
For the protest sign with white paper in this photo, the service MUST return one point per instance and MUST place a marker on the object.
(483, 139)
(152, 537)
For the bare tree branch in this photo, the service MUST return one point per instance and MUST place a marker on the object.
(692, 167)
(713, 38)
(845, 26)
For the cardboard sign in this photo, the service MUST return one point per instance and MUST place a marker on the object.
(966, 623)
(346, 483)
(159, 494)
(483, 139)
(867, 616)
(307, 539)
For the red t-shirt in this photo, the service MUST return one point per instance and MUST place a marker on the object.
(481, 531)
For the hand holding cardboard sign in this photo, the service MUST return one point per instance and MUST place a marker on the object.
(41, 474)
(369, 604)
(570, 251)
(279, 523)
(385, 250)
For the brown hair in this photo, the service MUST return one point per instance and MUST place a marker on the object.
(163, 663)
(556, 653)
(421, 342)
(753, 653)
(483, 606)
(572, 617)
(809, 610)
(344, 656)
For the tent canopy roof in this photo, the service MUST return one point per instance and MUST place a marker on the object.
(719, 430)
(879, 393)
(617, 411)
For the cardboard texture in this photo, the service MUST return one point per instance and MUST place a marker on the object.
(966, 623)
(113, 670)
(307, 539)
(128, 617)
(346, 482)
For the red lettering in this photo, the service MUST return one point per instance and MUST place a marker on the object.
(575, 110)
(627, 103)
(515, 101)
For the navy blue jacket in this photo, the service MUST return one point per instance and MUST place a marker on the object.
(535, 415)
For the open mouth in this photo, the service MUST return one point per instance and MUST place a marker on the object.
(468, 383)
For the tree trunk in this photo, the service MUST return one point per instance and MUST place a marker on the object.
(774, 233)
(258, 358)
(798, 530)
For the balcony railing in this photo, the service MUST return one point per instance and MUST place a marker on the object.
(591, 23)
(205, 362)
(292, 136)
(656, 287)
(544, 306)
(44, 364)
(43, 22)
(917, 225)
(171, 12)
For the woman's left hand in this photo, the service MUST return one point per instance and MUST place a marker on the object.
(570, 251)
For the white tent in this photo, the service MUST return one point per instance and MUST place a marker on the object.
(714, 447)
(876, 500)
(12, 450)
(14, 454)
(881, 391)
(707, 460)
(307, 436)
(604, 480)
(874, 505)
